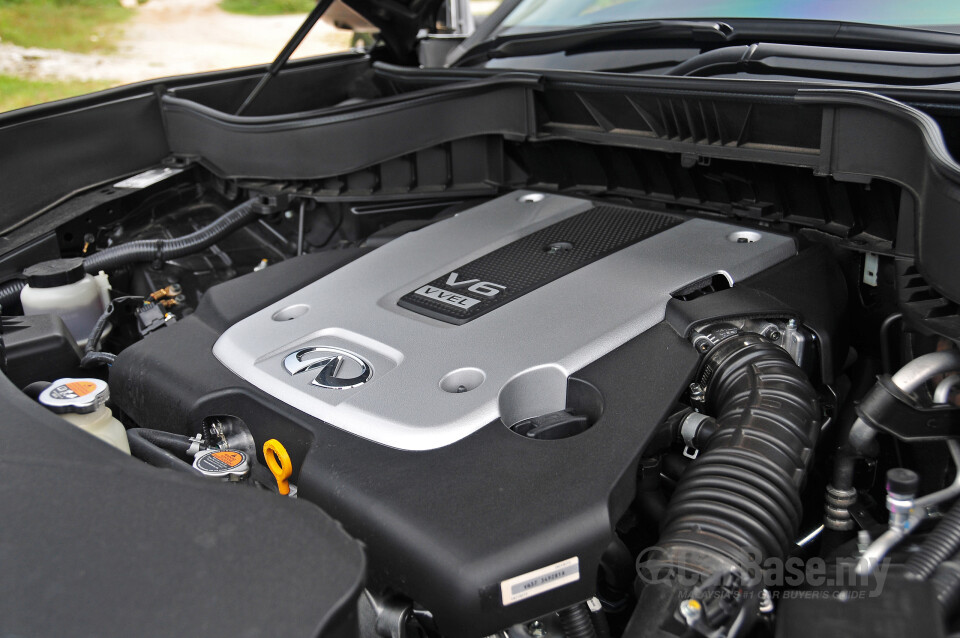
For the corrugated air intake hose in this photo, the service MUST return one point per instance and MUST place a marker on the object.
(738, 502)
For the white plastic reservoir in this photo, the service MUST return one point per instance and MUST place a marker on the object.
(82, 402)
(62, 287)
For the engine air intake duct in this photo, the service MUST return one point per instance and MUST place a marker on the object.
(739, 500)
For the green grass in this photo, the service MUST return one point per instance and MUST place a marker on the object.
(83, 26)
(267, 7)
(16, 93)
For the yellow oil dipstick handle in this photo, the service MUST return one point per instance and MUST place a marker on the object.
(279, 463)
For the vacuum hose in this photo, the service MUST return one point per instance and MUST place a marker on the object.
(154, 447)
(146, 250)
(738, 503)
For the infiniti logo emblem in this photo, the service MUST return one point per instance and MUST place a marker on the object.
(336, 369)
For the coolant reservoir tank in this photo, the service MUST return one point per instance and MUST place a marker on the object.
(82, 402)
(62, 287)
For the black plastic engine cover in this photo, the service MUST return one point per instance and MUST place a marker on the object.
(446, 526)
(97, 543)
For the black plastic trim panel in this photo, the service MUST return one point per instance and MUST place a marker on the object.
(98, 543)
(409, 507)
(850, 135)
(320, 145)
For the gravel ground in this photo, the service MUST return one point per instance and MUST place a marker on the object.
(172, 37)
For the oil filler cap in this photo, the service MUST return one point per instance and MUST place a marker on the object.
(77, 396)
(225, 465)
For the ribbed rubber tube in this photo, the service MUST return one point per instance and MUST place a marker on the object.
(740, 499)
(10, 291)
(743, 490)
(146, 250)
(576, 622)
(939, 545)
(946, 585)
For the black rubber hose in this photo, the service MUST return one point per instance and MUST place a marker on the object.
(576, 622)
(940, 544)
(176, 443)
(10, 292)
(600, 624)
(946, 586)
(92, 356)
(725, 58)
(94, 359)
(745, 486)
(149, 446)
(739, 500)
(146, 250)
(650, 499)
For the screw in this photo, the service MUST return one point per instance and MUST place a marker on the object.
(559, 247)
(696, 392)
(792, 324)
(536, 629)
(773, 335)
(288, 214)
(703, 346)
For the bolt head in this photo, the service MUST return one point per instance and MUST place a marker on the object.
(536, 629)
(558, 247)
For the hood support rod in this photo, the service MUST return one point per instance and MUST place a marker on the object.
(288, 49)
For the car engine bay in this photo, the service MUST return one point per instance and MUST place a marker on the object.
(536, 379)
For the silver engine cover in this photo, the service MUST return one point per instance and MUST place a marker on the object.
(429, 383)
